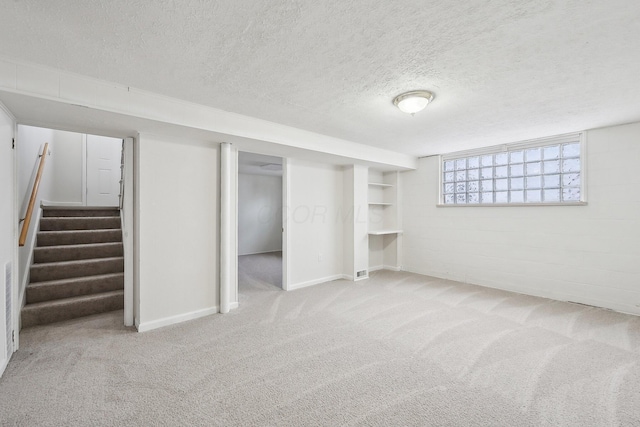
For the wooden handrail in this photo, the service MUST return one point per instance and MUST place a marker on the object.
(32, 199)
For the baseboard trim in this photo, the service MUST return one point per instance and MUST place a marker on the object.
(556, 296)
(65, 205)
(317, 281)
(263, 252)
(233, 305)
(385, 267)
(48, 204)
(3, 365)
(172, 320)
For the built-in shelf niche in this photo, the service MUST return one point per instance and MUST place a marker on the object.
(383, 229)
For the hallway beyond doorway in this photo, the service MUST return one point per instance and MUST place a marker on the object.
(260, 271)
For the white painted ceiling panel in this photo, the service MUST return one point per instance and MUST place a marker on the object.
(501, 70)
(259, 164)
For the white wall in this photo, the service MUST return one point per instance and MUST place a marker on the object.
(63, 174)
(67, 168)
(177, 229)
(588, 254)
(348, 225)
(356, 224)
(316, 218)
(61, 181)
(360, 219)
(259, 214)
(29, 144)
(8, 239)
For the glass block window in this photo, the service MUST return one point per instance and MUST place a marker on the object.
(540, 172)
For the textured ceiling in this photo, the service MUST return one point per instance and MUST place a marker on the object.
(502, 70)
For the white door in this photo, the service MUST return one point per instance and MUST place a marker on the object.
(103, 170)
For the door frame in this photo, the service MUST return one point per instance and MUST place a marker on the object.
(84, 169)
(127, 218)
(128, 229)
(286, 222)
(233, 248)
(16, 304)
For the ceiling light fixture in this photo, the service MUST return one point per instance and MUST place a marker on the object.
(413, 102)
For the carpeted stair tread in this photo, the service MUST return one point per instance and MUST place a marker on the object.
(77, 286)
(77, 268)
(71, 212)
(70, 308)
(75, 237)
(78, 265)
(57, 223)
(77, 252)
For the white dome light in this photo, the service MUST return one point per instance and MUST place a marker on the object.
(414, 101)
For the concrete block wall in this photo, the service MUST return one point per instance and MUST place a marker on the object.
(588, 254)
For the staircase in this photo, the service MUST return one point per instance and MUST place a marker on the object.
(78, 266)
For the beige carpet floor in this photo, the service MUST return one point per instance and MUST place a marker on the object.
(260, 270)
(398, 349)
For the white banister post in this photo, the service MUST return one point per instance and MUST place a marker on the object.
(225, 226)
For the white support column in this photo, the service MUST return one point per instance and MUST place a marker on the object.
(360, 221)
(286, 220)
(128, 232)
(225, 226)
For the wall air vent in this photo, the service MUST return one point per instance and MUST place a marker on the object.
(361, 273)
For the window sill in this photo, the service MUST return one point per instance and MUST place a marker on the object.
(506, 205)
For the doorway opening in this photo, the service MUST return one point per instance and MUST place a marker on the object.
(261, 197)
(72, 262)
(104, 160)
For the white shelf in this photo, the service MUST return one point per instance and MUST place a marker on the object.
(384, 232)
(380, 204)
(380, 184)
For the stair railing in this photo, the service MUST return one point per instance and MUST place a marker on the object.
(34, 196)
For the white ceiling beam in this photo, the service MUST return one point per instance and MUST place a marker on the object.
(73, 89)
